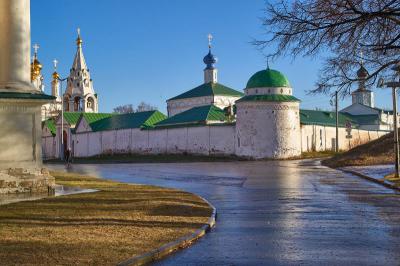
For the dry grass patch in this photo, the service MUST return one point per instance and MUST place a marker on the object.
(379, 151)
(101, 228)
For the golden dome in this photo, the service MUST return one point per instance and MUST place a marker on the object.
(79, 41)
(55, 75)
(36, 67)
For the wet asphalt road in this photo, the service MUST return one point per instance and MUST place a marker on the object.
(278, 212)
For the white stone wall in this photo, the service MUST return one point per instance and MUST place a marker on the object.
(268, 129)
(49, 147)
(211, 140)
(218, 140)
(321, 138)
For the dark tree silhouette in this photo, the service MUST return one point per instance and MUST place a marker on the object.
(124, 109)
(128, 108)
(339, 30)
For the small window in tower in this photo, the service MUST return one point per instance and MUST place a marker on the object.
(281, 90)
(77, 84)
(256, 91)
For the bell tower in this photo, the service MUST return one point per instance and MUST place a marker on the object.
(80, 95)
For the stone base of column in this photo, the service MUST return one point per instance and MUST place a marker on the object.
(19, 180)
(20, 144)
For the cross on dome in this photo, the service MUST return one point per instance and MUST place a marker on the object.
(36, 48)
(79, 40)
(361, 57)
(210, 37)
(55, 62)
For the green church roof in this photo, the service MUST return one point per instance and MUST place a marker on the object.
(194, 116)
(72, 117)
(51, 125)
(268, 98)
(325, 118)
(93, 117)
(132, 120)
(268, 78)
(208, 89)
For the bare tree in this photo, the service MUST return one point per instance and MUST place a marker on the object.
(124, 109)
(339, 30)
(142, 107)
(128, 108)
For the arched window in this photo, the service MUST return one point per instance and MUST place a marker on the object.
(90, 103)
(66, 104)
(77, 104)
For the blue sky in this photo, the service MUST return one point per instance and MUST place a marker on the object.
(152, 50)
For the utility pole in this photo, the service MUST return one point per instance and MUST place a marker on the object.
(394, 85)
(337, 121)
(396, 131)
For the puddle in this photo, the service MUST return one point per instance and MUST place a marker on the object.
(59, 191)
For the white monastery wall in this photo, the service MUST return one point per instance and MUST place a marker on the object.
(108, 141)
(123, 141)
(177, 140)
(81, 144)
(222, 139)
(208, 140)
(198, 140)
(204, 140)
(94, 147)
(157, 141)
(320, 138)
(140, 141)
(49, 147)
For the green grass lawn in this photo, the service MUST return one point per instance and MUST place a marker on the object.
(101, 228)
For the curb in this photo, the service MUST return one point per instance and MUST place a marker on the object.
(375, 180)
(176, 245)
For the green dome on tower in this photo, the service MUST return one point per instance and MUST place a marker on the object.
(268, 78)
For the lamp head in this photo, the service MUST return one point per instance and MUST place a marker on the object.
(381, 82)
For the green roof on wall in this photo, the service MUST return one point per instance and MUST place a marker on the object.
(130, 120)
(208, 89)
(195, 115)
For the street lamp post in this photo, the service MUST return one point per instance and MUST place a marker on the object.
(337, 119)
(394, 85)
(61, 80)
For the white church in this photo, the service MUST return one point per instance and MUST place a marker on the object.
(263, 121)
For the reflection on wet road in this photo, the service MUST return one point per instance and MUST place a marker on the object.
(278, 212)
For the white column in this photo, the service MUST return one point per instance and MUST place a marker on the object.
(15, 42)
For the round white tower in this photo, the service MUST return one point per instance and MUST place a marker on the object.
(268, 121)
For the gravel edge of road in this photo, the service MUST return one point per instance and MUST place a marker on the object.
(172, 247)
(382, 182)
